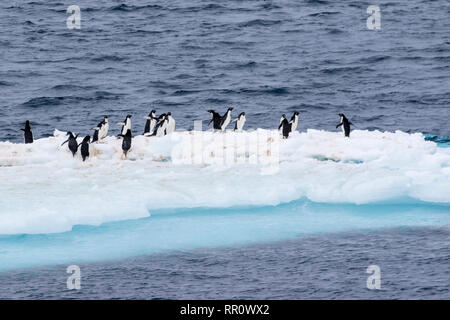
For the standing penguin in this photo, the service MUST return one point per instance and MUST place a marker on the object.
(126, 125)
(101, 130)
(27, 133)
(170, 123)
(126, 143)
(345, 125)
(85, 147)
(294, 121)
(285, 127)
(161, 126)
(226, 118)
(240, 121)
(150, 123)
(216, 120)
(73, 144)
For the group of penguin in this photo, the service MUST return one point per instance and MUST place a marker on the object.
(165, 124)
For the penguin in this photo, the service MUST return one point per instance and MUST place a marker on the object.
(27, 133)
(126, 143)
(85, 147)
(216, 120)
(283, 116)
(226, 118)
(101, 130)
(73, 144)
(150, 123)
(285, 127)
(126, 125)
(345, 125)
(161, 126)
(104, 127)
(95, 136)
(170, 123)
(240, 121)
(294, 121)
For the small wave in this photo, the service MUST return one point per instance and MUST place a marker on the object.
(128, 8)
(259, 23)
(104, 58)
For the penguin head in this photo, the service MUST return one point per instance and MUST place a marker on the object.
(283, 116)
(27, 124)
(87, 139)
(152, 113)
(230, 109)
(242, 114)
(70, 134)
(105, 118)
(341, 115)
(211, 111)
(128, 116)
(296, 113)
(169, 113)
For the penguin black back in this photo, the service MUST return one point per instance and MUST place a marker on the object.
(72, 141)
(345, 125)
(126, 143)
(28, 134)
(285, 127)
(216, 120)
(150, 118)
(95, 137)
(85, 147)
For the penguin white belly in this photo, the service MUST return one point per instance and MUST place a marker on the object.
(126, 127)
(294, 125)
(103, 132)
(171, 125)
(240, 124)
(226, 122)
(152, 125)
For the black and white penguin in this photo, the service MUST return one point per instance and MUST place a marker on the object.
(27, 133)
(294, 121)
(126, 125)
(345, 125)
(161, 126)
(150, 123)
(170, 123)
(85, 147)
(285, 127)
(226, 119)
(283, 116)
(73, 144)
(126, 143)
(216, 120)
(101, 130)
(240, 121)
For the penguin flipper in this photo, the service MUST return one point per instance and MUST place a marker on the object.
(64, 142)
(340, 124)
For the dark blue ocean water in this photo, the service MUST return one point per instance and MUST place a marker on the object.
(262, 57)
(413, 264)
